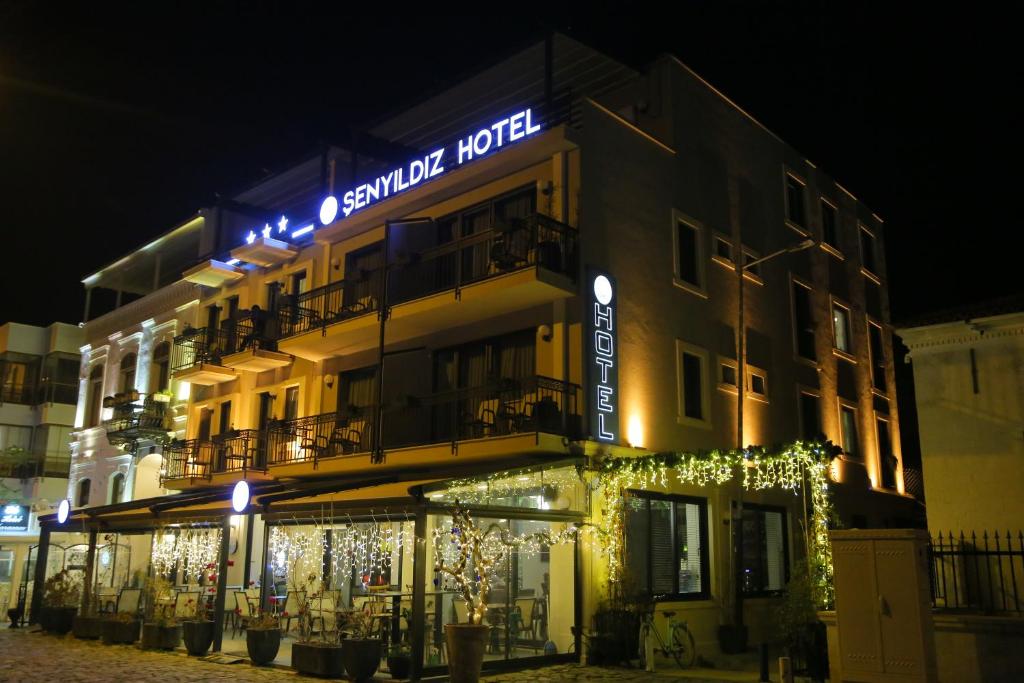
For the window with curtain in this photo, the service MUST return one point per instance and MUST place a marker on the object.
(765, 560)
(160, 370)
(666, 545)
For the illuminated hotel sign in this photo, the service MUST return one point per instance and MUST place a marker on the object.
(602, 356)
(14, 518)
(510, 129)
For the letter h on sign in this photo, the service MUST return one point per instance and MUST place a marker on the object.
(602, 357)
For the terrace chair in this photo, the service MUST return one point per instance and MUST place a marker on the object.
(526, 608)
(321, 610)
(185, 603)
(292, 603)
(128, 600)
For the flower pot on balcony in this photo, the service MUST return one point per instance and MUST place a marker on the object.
(118, 632)
(361, 657)
(197, 636)
(87, 628)
(466, 644)
(318, 659)
(263, 645)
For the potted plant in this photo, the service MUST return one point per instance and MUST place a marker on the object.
(362, 646)
(617, 624)
(197, 630)
(87, 623)
(263, 638)
(60, 603)
(159, 631)
(399, 660)
(120, 628)
(802, 634)
(468, 554)
(320, 657)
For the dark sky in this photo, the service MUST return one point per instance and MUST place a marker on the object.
(114, 126)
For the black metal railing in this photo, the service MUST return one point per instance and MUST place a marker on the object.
(57, 392)
(530, 405)
(534, 241)
(248, 333)
(203, 345)
(137, 417)
(30, 465)
(22, 392)
(982, 575)
(240, 450)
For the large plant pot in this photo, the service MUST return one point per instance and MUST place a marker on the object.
(57, 620)
(160, 637)
(316, 659)
(263, 645)
(466, 644)
(197, 636)
(732, 639)
(120, 632)
(399, 666)
(361, 658)
(87, 628)
(618, 632)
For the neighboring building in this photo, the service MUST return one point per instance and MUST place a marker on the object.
(431, 338)
(969, 383)
(38, 391)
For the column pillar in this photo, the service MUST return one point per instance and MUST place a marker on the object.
(222, 574)
(90, 569)
(419, 585)
(42, 554)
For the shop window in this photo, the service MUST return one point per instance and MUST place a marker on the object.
(803, 322)
(841, 337)
(666, 545)
(877, 350)
(848, 427)
(765, 550)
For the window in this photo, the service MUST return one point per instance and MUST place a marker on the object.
(225, 424)
(877, 350)
(17, 380)
(810, 416)
(723, 249)
(727, 375)
(803, 322)
(94, 396)
(117, 488)
(689, 267)
(749, 256)
(666, 545)
(14, 436)
(841, 328)
(829, 227)
(691, 363)
(848, 427)
(300, 285)
(868, 254)
(765, 558)
(795, 202)
(886, 460)
(291, 403)
(6, 565)
(159, 372)
(83, 492)
(126, 381)
(757, 383)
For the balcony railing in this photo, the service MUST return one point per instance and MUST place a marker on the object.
(17, 393)
(534, 241)
(57, 392)
(137, 418)
(982, 575)
(30, 465)
(531, 405)
(211, 345)
(237, 451)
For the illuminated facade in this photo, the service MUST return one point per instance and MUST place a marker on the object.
(550, 281)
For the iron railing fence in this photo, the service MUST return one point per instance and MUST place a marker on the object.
(978, 574)
(203, 345)
(529, 405)
(357, 294)
(240, 450)
(31, 465)
(57, 392)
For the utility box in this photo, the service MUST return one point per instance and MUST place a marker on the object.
(883, 609)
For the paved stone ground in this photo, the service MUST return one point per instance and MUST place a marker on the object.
(32, 657)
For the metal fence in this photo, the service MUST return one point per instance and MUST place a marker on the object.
(203, 345)
(240, 450)
(978, 574)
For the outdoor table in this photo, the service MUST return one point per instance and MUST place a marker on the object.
(396, 602)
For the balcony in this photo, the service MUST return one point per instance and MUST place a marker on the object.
(252, 345)
(514, 266)
(137, 419)
(205, 461)
(197, 356)
(25, 465)
(505, 418)
(56, 392)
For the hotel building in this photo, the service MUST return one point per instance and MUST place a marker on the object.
(526, 274)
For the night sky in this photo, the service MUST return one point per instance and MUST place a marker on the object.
(115, 126)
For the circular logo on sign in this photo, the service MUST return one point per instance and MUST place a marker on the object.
(328, 210)
(602, 289)
(63, 510)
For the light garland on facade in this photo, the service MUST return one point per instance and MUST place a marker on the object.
(786, 469)
(192, 550)
(483, 490)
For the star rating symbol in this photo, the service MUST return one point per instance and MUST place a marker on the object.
(282, 224)
(250, 238)
(266, 230)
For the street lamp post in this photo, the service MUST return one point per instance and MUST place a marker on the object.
(741, 385)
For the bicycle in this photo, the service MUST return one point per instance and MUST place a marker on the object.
(677, 642)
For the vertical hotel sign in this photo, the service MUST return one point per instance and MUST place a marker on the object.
(602, 356)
